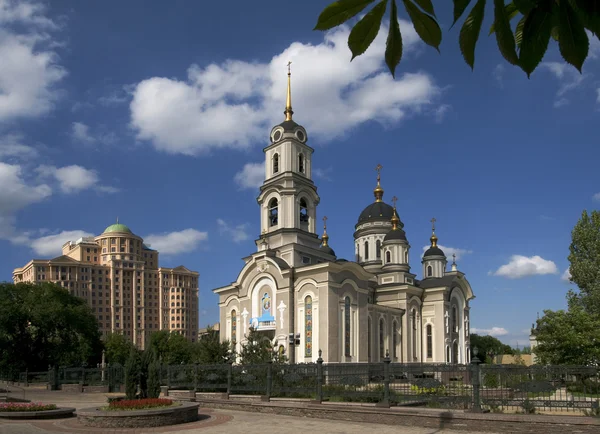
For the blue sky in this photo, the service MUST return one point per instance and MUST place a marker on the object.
(157, 112)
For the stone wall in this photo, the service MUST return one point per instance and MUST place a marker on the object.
(184, 413)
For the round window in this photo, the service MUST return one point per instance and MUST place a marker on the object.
(277, 136)
(300, 136)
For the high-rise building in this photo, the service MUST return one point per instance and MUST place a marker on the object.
(118, 275)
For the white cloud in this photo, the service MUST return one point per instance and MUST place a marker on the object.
(596, 197)
(569, 78)
(449, 251)
(173, 243)
(322, 173)
(233, 104)
(498, 74)
(494, 331)
(566, 276)
(113, 99)
(74, 178)
(29, 70)
(441, 111)
(523, 266)
(237, 233)
(251, 176)
(11, 146)
(598, 95)
(51, 245)
(80, 132)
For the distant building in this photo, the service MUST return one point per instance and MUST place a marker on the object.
(533, 344)
(297, 293)
(118, 275)
(204, 331)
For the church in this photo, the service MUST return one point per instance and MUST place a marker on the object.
(297, 293)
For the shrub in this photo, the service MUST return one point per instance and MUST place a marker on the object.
(154, 380)
(139, 404)
(132, 374)
(25, 406)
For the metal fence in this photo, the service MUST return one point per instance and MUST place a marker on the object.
(498, 388)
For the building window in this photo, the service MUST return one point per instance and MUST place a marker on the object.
(395, 340)
(347, 326)
(273, 212)
(233, 327)
(388, 257)
(306, 260)
(429, 271)
(378, 249)
(303, 211)
(276, 163)
(454, 320)
(266, 305)
(366, 250)
(381, 339)
(301, 163)
(308, 326)
(429, 341)
(406, 257)
(414, 334)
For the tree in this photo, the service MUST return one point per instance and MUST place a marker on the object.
(566, 21)
(171, 348)
(148, 357)
(572, 336)
(132, 374)
(488, 345)
(209, 350)
(42, 325)
(154, 379)
(118, 348)
(258, 349)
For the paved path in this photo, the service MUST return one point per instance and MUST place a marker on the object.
(216, 422)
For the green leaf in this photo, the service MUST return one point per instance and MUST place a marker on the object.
(573, 42)
(426, 27)
(339, 12)
(589, 12)
(555, 33)
(504, 34)
(511, 11)
(524, 6)
(365, 31)
(393, 45)
(426, 5)
(459, 9)
(535, 37)
(519, 32)
(469, 33)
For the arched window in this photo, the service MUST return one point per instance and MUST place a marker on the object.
(381, 339)
(366, 250)
(455, 352)
(378, 249)
(414, 334)
(303, 211)
(308, 326)
(395, 340)
(301, 162)
(273, 212)
(406, 257)
(429, 271)
(276, 163)
(454, 320)
(429, 341)
(447, 354)
(233, 327)
(388, 257)
(347, 330)
(369, 337)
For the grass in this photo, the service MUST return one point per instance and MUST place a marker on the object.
(25, 406)
(139, 404)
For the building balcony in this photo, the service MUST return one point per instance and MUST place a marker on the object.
(264, 322)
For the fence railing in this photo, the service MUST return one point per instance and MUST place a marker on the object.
(476, 387)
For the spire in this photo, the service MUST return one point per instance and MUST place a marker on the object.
(433, 238)
(454, 268)
(325, 237)
(288, 104)
(395, 219)
(117, 220)
(378, 192)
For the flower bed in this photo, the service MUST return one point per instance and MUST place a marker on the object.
(25, 406)
(138, 404)
(172, 414)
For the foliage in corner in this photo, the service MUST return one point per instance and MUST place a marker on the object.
(566, 21)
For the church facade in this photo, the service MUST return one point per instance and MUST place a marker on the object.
(297, 293)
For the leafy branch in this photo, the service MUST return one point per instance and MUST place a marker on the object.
(566, 21)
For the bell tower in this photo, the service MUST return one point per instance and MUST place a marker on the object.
(288, 197)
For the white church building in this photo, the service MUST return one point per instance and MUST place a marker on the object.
(296, 292)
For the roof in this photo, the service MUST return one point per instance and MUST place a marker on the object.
(377, 211)
(435, 282)
(434, 251)
(328, 250)
(62, 258)
(288, 126)
(117, 227)
(395, 235)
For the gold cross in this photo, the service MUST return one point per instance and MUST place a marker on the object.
(289, 67)
(378, 169)
(325, 222)
(433, 220)
(394, 200)
(453, 257)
